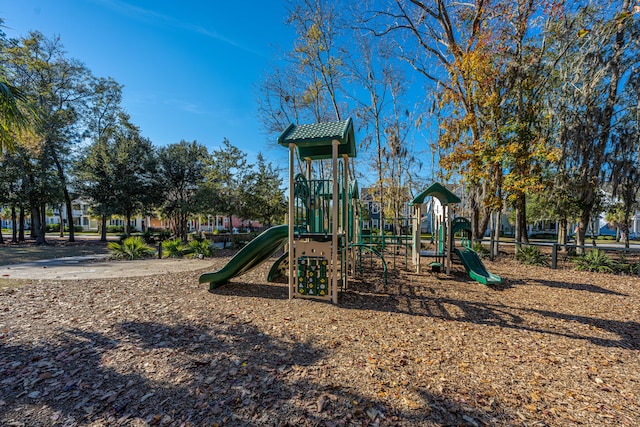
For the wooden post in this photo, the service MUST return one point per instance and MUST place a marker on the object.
(335, 222)
(449, 243)
(292, 218)
(416, 238)
(345, 216)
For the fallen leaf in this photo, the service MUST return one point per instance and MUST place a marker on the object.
(470, 420)
(146, 396)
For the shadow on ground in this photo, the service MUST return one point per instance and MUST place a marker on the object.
(227, 372)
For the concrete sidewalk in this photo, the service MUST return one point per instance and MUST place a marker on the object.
(98, 267)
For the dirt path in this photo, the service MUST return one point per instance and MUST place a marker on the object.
(97, 267)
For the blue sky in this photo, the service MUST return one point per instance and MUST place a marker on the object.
(189, 68)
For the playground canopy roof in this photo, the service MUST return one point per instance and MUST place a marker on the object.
(438, 191)
(314, 141)
(354, 190)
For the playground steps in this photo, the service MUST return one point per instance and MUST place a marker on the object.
(435, 266)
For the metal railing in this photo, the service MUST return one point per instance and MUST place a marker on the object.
(555, 247)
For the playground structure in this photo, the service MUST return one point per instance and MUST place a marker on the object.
(444, 229)
(442, 222)
(320, 210)
(323, 236)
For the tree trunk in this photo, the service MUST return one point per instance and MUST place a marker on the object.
(582, 232)
(625, 227)
(182, 227)
(67, 201)
(521, 219)
(36, 228)
(127, 224)
(562, 231)
(61, 222)
(43, 222)
(14, 223)
(485, 216)
(21, 225)
(496, 232)
(103, 230)
(232, 240)
(474, 209)
(67, 196)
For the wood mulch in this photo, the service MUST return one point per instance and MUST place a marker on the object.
(546, 348)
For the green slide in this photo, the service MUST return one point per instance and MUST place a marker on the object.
(476, 268)
(255, 253)
(279, 268)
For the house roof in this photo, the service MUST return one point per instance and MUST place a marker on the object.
(438, 191)
(314, 141)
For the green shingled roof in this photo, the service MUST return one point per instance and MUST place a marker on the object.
(314, 140)
(439, 192)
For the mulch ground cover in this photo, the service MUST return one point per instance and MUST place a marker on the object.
(545, 348)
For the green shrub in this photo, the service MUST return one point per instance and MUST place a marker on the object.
(130, 248)
(625, 267)
(115, 229)
(531, 255)
(197, 236)
(595, 260)
(163, 235)
(56, 228)
(480, 250)
(148, 237)
(174, 248)
(200, 249)
(53, 228)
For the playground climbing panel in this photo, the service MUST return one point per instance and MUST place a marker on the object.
(312, 276)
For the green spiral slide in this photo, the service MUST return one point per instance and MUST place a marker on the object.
(255, 253)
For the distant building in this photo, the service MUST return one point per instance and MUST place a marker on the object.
(80, 209)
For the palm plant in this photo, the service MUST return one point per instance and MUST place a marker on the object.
(595, 260)
(174, 248)
(130, 248)
(12, 117)
(531, 255)
(200, 249)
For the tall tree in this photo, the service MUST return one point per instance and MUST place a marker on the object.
(520, 52)
(265, 197)
(94, 170)
(442, 40)
(601, 44)
(57, 87)
(625, 156)
(307, 88)
(182, 173)
(96, 180)
(226, 178)
(134, 161)
(371, 69)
